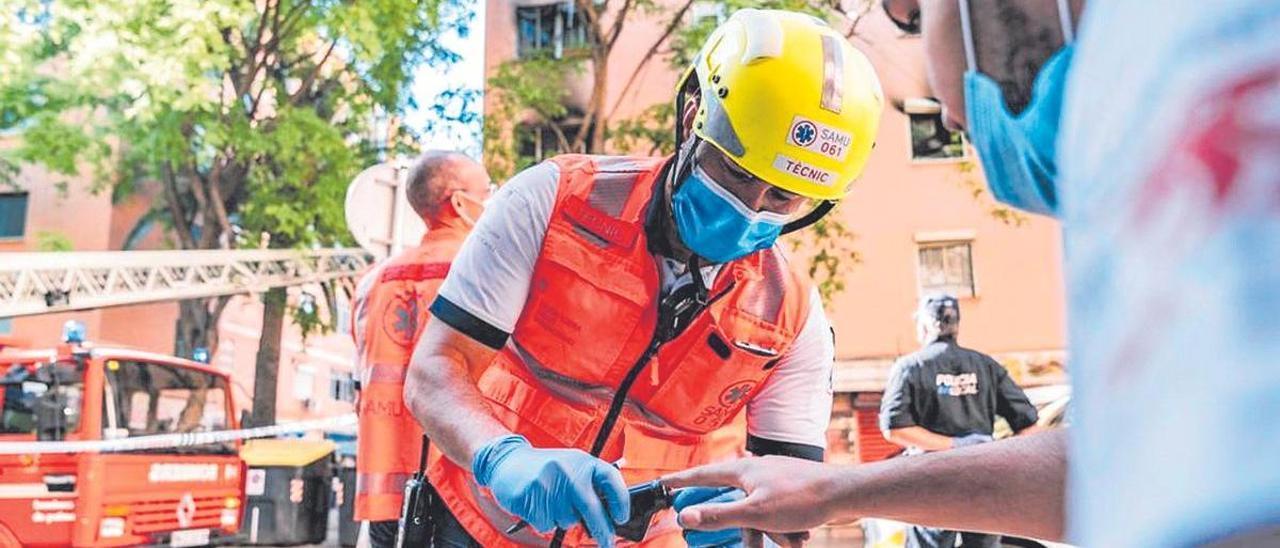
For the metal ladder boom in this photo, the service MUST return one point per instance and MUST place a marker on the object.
(41, 283)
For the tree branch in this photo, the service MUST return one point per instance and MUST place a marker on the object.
(311, 78)
(281, 27)
(644, 60)
(617, 23)
(219, 206)
(257, 97)
(854, 19)
(175, 207)
(211, 335)
(197, 187)
(561, 138)
(251, 54)
(292, 18)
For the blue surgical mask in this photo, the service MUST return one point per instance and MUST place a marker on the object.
(1018, 152)
(716, 225)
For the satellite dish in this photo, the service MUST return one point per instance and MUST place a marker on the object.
(378, 213)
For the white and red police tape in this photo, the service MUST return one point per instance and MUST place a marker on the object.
(164, 441)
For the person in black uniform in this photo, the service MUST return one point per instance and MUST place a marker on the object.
(945, 396)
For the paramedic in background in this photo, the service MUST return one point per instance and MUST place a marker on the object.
(945, 396)
(447, 190)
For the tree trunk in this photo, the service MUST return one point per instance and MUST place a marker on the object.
(268, 361)
(195, 328)
(600, 68)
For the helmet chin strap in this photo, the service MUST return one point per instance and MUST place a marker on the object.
(701, 290)
(811, 217)
(684, 164)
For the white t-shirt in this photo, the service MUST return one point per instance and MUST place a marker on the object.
(490, 280)
(1170, 200)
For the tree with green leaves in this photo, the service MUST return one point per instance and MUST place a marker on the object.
(250, 116)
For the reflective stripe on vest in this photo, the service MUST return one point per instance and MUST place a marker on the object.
(589, 316)
(415, 272)
(381, 484)
(389, 373)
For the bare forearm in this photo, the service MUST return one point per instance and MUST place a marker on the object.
(1013, 486)
(440, 394)
(1030, 430)
(915, 436)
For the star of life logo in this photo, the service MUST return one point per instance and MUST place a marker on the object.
(803, 132)
(819, 138)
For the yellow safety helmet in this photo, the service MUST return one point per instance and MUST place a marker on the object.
(789, 99)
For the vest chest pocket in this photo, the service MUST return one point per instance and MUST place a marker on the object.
(584, 306)
(705, 378)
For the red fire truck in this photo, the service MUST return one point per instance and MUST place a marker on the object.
(62, 493)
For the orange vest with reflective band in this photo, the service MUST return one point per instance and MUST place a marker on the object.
(390, 311)
(590, 316)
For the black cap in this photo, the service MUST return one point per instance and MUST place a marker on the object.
(943, 309)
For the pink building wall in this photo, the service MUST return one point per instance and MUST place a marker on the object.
(320, 358)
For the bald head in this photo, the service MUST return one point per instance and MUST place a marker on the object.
(436, 176)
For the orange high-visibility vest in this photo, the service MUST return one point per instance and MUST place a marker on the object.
(389, 312)
(589, 318)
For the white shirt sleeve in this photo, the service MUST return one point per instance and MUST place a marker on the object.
(795, 404)
(490, 276)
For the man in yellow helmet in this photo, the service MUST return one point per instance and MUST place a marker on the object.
(608, 313)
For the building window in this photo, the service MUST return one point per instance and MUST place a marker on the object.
(550, 28)
(6, 326)
(144, 399)
(13, 215)
(342, 386)
(946, 267)
(304, 383)
(930, 139)
(538, 142)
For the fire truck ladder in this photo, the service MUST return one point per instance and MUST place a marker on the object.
(40, 283)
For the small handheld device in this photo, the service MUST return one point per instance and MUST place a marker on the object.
(647, 499)
(416, 527)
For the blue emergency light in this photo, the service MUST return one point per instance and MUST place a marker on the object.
(73, 332)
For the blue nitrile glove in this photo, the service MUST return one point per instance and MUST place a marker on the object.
(723, 538)
(552, 488)
(969, 439)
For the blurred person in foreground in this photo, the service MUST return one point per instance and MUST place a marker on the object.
(1155, 138)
